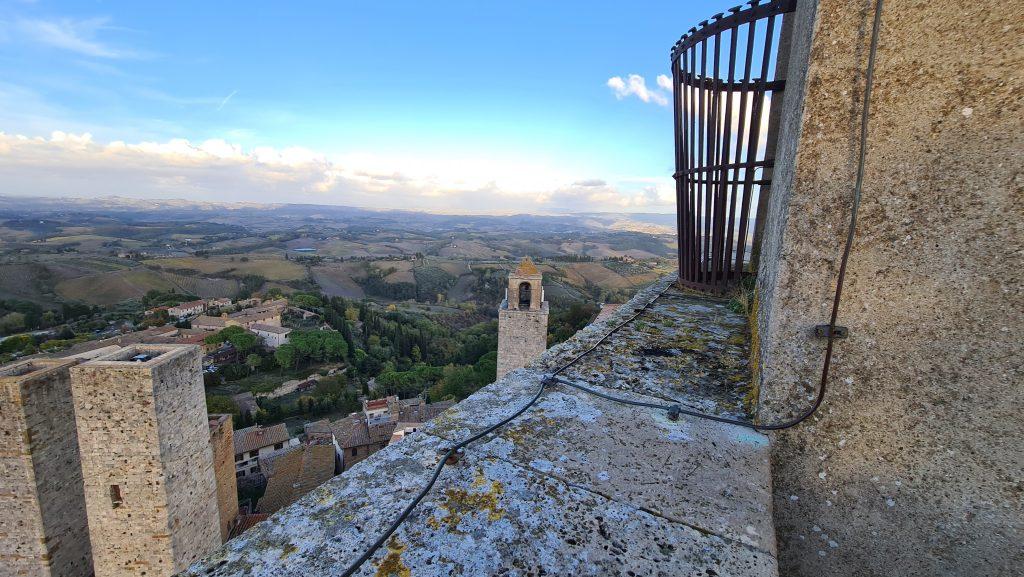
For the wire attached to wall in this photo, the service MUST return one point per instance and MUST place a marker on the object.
(675, 410)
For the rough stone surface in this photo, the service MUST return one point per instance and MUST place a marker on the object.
(222, 447)
(914, 464)
(143, 428)
(43, 530)
(578, 485)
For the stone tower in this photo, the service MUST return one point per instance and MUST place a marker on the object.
(522, 319)
(150, 490)
(43, 530)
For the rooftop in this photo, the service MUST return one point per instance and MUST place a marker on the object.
(257, 437)
(269, 329)
(295, 472)
(578, 484)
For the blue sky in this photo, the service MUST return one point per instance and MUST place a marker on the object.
(445, 106)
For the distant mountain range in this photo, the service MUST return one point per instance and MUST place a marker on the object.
(255, 213)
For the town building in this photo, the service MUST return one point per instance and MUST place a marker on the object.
(149, 481)
(361, 434)
(522, 319)
(187, 309)
(223, 448)
(43, 526)
(273, 336)
(293, 472)
(257, 442)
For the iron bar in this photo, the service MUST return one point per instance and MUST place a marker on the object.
(723, 169)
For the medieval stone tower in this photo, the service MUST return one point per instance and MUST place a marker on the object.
(43, 530)
(150, 490)
(522, 319)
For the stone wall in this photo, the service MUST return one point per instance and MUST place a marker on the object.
(43, 529)
(522, 337)
(222, 445)
(144, 437)
(913, 465)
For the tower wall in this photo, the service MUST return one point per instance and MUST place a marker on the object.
(222, 444)
(522, 337)
(43, 530)
(150, 489)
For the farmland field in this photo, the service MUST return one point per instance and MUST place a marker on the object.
(271, 269)
(337, 280)
(112, 287)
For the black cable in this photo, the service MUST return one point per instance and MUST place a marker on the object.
(352, 568)
(553, 377)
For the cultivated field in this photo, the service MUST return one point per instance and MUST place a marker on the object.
(271, 269)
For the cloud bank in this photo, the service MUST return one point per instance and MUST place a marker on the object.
(635, 85)
(75, 165)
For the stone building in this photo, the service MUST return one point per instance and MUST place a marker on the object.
(256, 442)
(522, 319)
(43, 528)
(223, 447)
(359, 435)
(150, 486)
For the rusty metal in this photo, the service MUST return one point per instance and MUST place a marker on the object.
(726, 75)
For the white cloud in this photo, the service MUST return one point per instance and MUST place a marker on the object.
(74, 35)
(76, 165)
(665, 82)
(635, 85)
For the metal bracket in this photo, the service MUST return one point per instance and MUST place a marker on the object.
(823, 331)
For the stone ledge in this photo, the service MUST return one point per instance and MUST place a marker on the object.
(577, 485)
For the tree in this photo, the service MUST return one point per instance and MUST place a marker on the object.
(244, 341)
(335, 347)
(253, 361)
(219, 404)
(285, 355)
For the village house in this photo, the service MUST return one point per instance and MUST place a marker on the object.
(187, 309)
(273, 336)
(257, 442)
(361, 434)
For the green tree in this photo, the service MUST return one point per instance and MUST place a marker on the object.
(253, 361)
(335, 347)
(220, 404)
(285, 355)
(243, 342)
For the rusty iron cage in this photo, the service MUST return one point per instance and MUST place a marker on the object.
(728, 74)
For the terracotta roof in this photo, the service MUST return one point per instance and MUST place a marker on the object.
(295, 473)
(527, 268)
(206, 320)
(244, 522)
(321, 426)
(353, 431)
(422, 412)
(257, 437)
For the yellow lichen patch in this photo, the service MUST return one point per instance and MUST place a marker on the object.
(460, 502)
(288, 550)
(392, 565)
(526, 268)
(737, 339)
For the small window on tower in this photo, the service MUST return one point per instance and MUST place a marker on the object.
(115, 496)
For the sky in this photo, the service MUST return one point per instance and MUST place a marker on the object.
(457, 107)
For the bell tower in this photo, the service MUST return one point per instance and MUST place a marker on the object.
(522, 319)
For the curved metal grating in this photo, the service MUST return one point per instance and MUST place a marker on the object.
(727, 74)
